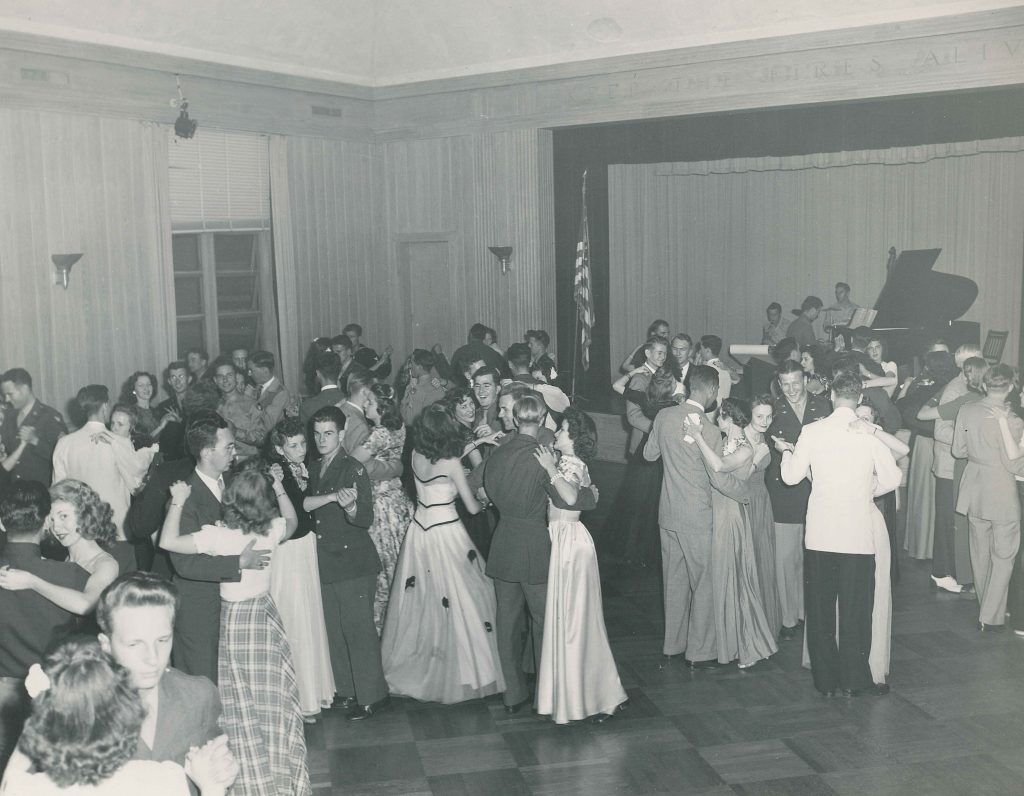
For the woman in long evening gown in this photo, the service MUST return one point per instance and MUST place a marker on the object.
(743, 631)
(439, 643)
(762, 526)
(392, 509)
(939, 369)
(577, 678)
(295, 578)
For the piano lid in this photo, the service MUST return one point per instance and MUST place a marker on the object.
(915, 296)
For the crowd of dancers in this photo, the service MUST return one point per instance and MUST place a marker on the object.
(790, 510)
(185, 583)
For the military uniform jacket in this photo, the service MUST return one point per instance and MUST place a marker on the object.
(789, 503)
(36, 462)
(343, 543)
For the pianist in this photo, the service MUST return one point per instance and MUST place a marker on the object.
(840, 313)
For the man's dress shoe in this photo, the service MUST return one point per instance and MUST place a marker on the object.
(360, 712)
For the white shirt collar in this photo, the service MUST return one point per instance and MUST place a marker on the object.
(212, 483)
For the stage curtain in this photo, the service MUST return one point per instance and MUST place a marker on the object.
(709, 245)
(99, 186)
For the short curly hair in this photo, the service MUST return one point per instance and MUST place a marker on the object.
(582, 432)
(249, 503)
(737, 411)
(95, 517)
(85, 726)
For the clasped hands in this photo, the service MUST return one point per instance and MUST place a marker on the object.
(212, 767)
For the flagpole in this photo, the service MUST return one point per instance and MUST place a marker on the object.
(576, 334)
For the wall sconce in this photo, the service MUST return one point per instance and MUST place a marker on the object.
(62, 263)
(504, 254)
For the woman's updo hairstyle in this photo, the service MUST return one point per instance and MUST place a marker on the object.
(85, 726)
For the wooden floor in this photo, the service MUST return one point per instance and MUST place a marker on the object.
(953, 724)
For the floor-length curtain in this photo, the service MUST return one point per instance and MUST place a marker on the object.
(709, 245)
(285, 274)
(95, 186)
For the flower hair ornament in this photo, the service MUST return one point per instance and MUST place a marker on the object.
(37, 681)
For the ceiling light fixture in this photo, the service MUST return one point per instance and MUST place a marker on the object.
(184, 127)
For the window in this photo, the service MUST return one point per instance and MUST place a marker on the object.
(223, 256)
(217, 281)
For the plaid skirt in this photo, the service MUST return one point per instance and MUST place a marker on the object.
(261, 700)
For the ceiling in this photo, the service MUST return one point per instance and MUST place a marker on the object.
(387, 42)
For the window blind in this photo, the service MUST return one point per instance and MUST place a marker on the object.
(219, 180)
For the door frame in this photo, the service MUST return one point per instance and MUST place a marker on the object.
(401, 242)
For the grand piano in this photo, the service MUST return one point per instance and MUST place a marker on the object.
(917, 304)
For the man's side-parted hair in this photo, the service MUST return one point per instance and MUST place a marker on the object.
(17, 376)
(136, 590)
(999, 377)
(713, 343)
(202, 432)
(23, 508)
(263, 359)
(85, 726)
(529, 409)
(329, 414)
(91, 397)
(847, 385)
(703, 378)
(518, 355)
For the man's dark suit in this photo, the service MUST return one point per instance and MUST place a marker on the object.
(326, 397)
(474, 350)
(30, 625)
(146, 515)
(188, 714)
(520, 551)
(198, 577)
(348, 579)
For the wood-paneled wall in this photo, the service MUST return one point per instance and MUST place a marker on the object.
(331, 186)
(360, 211)
(96, 186)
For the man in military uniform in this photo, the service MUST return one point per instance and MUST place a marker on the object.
(30, 428)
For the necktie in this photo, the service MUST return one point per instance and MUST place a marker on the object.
(220, 487)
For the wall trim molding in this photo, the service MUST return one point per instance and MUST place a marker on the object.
(940, 54)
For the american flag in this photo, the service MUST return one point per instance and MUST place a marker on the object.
(581, 283)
